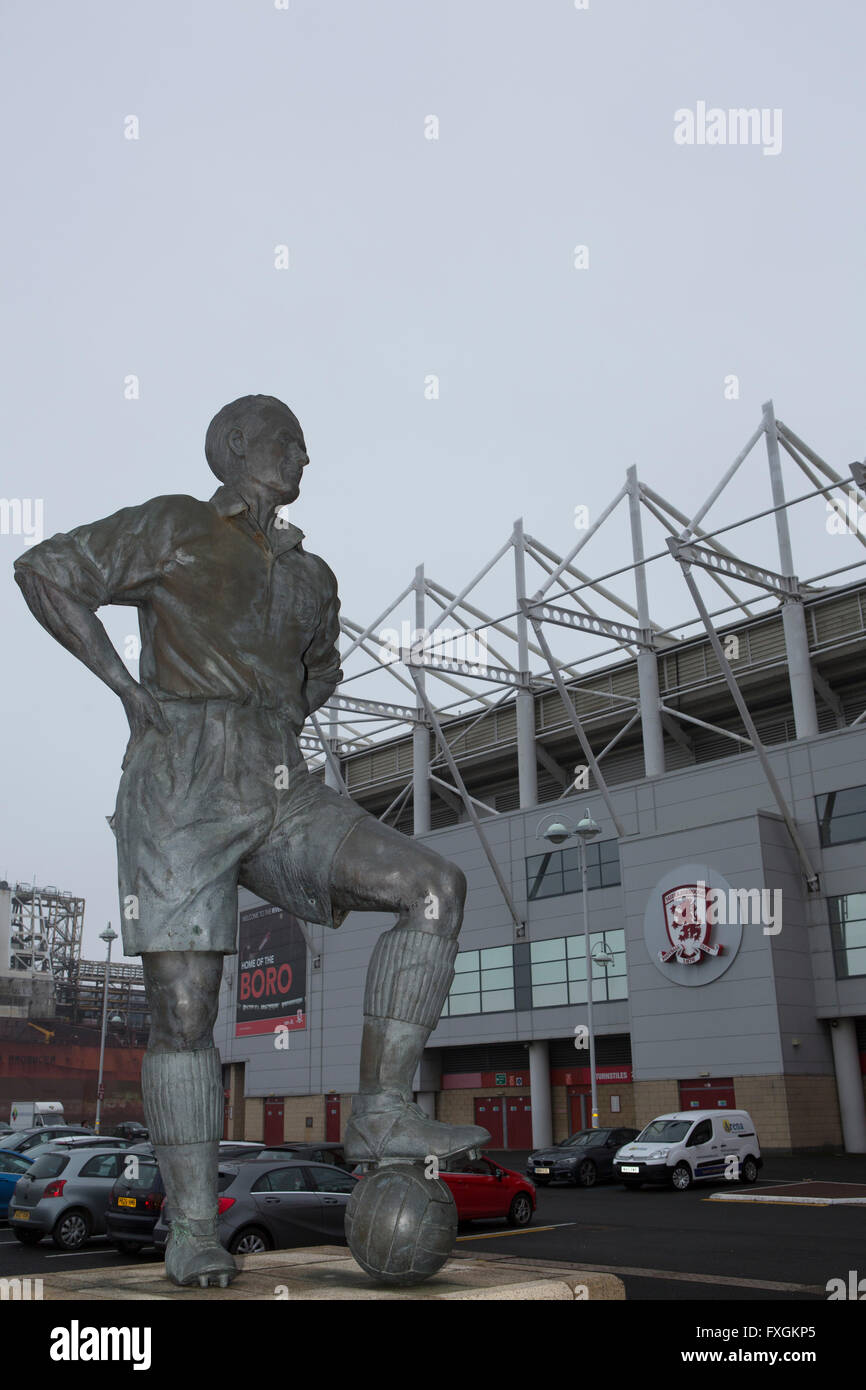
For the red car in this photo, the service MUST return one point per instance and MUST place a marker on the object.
(483, 1189)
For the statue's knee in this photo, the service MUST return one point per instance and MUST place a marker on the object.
(444, 897)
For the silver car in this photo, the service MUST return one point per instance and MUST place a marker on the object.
(273, 1205)
(64, 1195)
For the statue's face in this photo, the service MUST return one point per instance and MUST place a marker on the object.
(276, 456)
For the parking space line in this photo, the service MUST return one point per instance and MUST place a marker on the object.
(77, 1254)
(524, 1231)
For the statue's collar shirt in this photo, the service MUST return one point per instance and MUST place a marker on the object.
(226, 610)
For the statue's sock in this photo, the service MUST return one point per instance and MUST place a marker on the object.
(408, 980)
(183, 1107)
(409, 976)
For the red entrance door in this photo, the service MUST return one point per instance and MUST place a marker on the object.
(579, 1110)
(332, 1119)
(273, 1121)
(518, 1122)
(489, 1114)
(715, 1094)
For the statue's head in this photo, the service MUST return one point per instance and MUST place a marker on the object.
(257, 440)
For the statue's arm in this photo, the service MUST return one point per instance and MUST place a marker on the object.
(77, 628)
(115, 560)
(322, 657)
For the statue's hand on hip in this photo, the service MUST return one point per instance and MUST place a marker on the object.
(143, 713)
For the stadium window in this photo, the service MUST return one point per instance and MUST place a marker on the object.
(557, 872)
(483, 983)
(842, 816)
(848, 933)
(558, 970)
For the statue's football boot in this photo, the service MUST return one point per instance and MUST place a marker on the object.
(386, 1126)
(194, 1254)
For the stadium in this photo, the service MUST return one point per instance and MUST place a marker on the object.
(722, 755)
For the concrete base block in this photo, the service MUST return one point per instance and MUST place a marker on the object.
(329, 1272)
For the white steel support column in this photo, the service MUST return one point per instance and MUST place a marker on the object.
(647, 661)
(420, 733)
(527, 764)
(793, 612)
(539, 1083)
(849, 1084)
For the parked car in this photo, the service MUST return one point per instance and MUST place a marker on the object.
(313, 1152)
(134, 1204)
(231, 1149)
(580, 1160)
(12, 1166)
(268, 1205)
(131, 1131)
(689, 1146)
(483, 1190)
(23, 1140)
(64, 1194)
(88, 1141)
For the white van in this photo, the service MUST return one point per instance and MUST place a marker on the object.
(29, 1114)
(691, 1146)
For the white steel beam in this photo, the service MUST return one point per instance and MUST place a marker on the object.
(808, 870)
(575, 720)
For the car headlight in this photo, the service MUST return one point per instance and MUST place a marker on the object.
(657, 1154)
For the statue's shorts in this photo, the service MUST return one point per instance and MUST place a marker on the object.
(223, 800)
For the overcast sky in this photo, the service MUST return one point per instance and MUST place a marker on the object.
(409, 257)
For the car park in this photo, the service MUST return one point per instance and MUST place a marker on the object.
(12, 1167)
(581, 1159)
(64, 1194)
(274, 1205)
(688, 1146)
(484, 1190)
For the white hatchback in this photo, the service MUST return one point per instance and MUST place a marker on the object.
(690, 1146)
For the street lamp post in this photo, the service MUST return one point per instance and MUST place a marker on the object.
(557, 833)
(586, 829)
(107, 936)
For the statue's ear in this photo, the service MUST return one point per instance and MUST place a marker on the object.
(237, 442)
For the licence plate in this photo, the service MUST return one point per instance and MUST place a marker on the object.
(21, 1216)
(629, 1168)
(127, 1202)
(542, 1170)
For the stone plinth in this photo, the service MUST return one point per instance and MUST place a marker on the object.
(329, 1272)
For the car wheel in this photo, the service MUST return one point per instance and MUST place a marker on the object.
(587, 1173)
(28, 1237)
(748, 1170)
(72, 1230)
(520, 1211)
(681, 1177)
(252, 1240)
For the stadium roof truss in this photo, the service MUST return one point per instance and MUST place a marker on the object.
(499, 670)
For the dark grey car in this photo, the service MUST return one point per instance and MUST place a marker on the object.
(25, 1140)
(64, 1194)
(268, 1205)
(307, 1149)
(581, 1159)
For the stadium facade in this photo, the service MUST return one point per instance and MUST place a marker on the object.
(726, 899)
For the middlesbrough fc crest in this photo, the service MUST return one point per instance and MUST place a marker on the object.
(685, 909)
